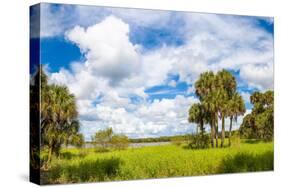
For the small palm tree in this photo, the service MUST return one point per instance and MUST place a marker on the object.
(236, 107)
(204, 87)
(197, 115)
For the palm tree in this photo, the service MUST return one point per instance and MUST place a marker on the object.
(226, 87)
(214, 92)
(197, 115)
(204, 87)
(58, 119)
(211, 103)
(236, 107)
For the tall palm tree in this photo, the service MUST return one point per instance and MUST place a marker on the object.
(204, 87)
(58, 119)
(215, 91)
(226, 87)
(211, 103)
(236, 107)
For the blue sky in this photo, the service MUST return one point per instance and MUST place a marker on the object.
(133, 70)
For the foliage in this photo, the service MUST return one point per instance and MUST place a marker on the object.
(59, 123)
(119, 142)
(245, 162)
(177, 141)
(235, 140)
(218, 100)
(102, 139)
(204, 89)
(106, 139)
(157, 162)
(200, 141)
(259, 123)
(34, 118)
(236, 107)
(158, 139)
(198, 115)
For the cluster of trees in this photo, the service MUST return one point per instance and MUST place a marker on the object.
(219, 100)
(159, 139)
(58, 117)
(105, 139)
(259, 123)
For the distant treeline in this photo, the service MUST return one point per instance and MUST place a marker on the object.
(158, 139)
(186, 137)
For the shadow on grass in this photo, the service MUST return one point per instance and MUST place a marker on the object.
(84, 171)
(252, 141)
(245, 162)
(101, 150)
(70, 155)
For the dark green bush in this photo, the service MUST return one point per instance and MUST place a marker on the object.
(199, 141)
(247, 162)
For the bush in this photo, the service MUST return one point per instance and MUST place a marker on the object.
(247, 162)
(119, 142)
(199, 141)
(102, 139)
(177, 141)
(235, 140)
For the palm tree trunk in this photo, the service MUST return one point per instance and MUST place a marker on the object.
(202, 127)
(216, 132)
(222, 131)
(230, 127)
(213, 132)
(217, 137)
(50, 154)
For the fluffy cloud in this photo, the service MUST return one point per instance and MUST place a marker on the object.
(116, 70)
(246, 97)
(231, 42)
(260, 76)
(107, 48)
(212, 41)
(165, 117)
(56, 19)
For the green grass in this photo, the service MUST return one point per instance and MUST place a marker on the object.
(85, 165)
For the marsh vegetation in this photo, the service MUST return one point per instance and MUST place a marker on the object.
(212, 150)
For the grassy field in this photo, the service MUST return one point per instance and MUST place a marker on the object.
(86, 165)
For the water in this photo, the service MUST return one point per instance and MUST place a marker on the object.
(139, 145)
(131, 145)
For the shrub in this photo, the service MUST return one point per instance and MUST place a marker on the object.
(106, 139)
(235, 140)
(119, 141)
(200, 141)
(102, 139)
(177, 141)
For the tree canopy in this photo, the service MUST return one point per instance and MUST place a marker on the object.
(259, 123)
(58, 117)
(218, 100)
(104, 139)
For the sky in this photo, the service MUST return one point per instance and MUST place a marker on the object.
(134, 69)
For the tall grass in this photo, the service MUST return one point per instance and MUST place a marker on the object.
(85, 165)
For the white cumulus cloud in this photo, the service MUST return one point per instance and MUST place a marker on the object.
(115, 70)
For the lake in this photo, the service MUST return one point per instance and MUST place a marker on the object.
(131, 145)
